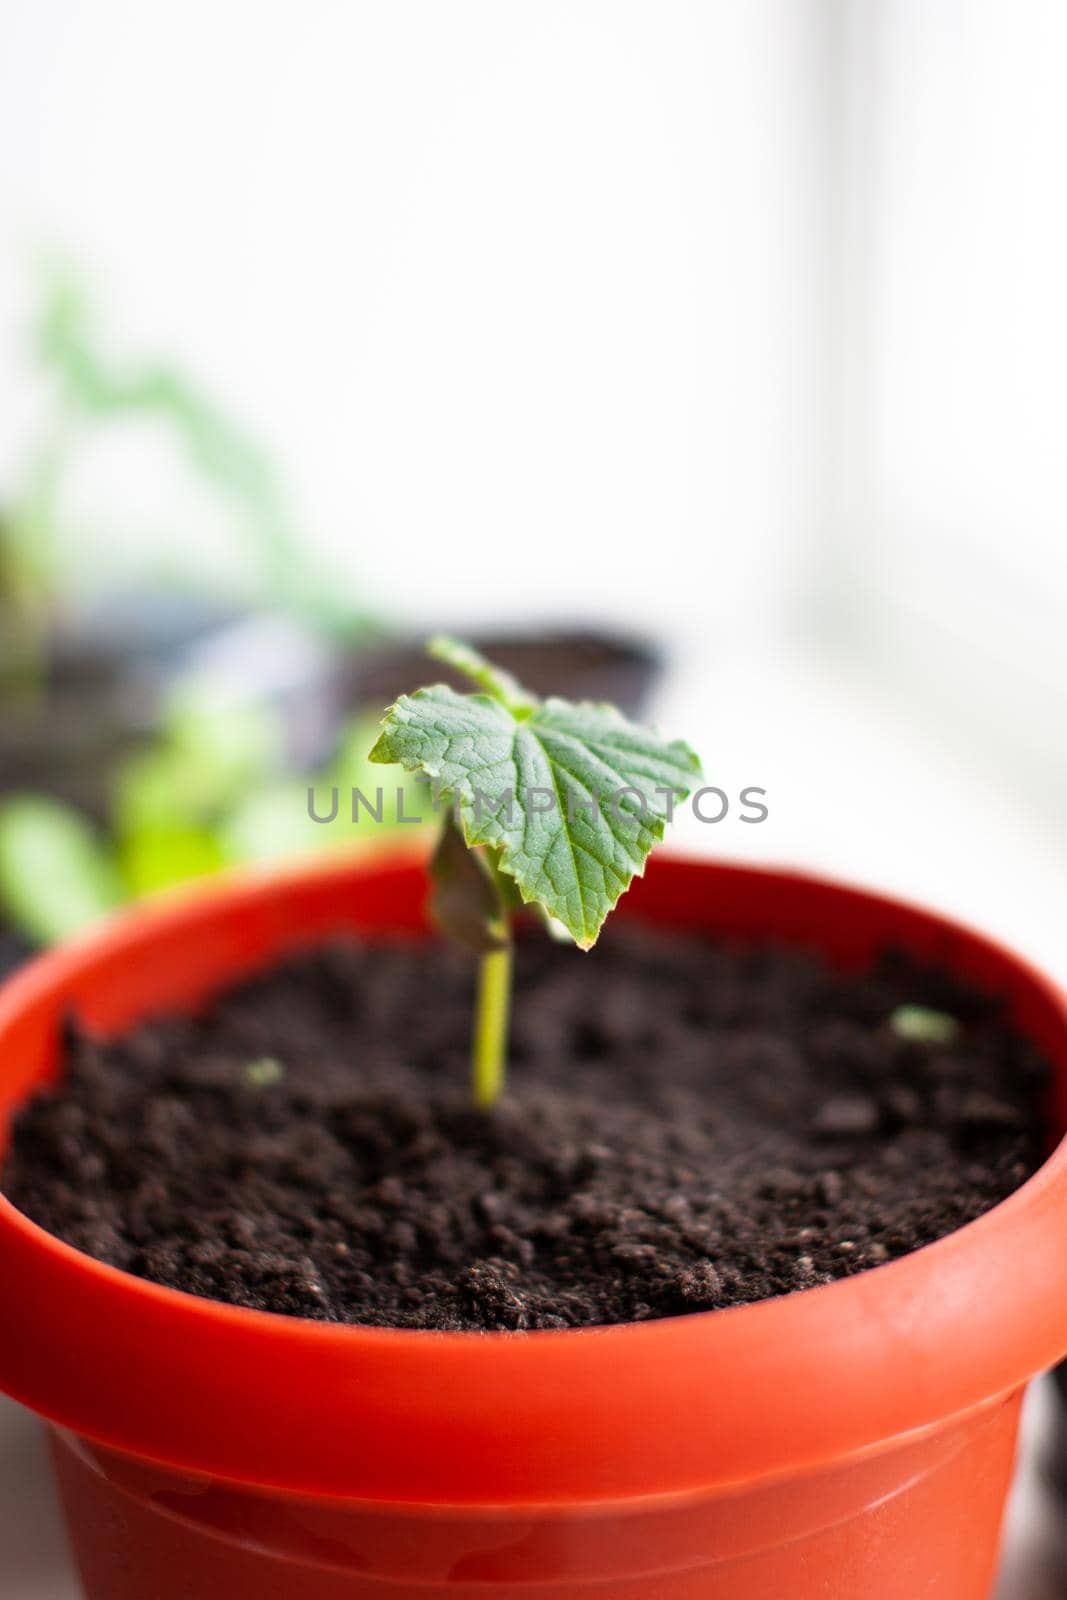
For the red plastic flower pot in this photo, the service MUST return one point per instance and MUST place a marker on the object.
(852, 1442)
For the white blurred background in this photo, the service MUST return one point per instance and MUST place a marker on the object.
(740, 323)
(743, 324)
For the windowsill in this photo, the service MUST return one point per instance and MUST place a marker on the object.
(863, 784)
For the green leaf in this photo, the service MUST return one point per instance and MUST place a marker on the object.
(570, 798)
(55, 874)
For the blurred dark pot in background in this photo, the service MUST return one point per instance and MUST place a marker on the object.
(580, 663)
(108, 671)
(96, 694)
(103, 688)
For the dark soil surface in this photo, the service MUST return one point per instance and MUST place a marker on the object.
(690, 1126)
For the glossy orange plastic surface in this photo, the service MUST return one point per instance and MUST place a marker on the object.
(853, 1442)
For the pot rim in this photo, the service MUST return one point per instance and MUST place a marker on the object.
(418, 1416)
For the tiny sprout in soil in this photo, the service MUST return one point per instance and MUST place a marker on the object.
(921, 1025)
(263, 1072)
(550, 804)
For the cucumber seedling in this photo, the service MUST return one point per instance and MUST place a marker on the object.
(549, 803)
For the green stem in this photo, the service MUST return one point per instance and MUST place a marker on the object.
(492, 1011)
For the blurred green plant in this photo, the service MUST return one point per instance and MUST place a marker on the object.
(56, 874)
(171, 800)
(91, 389)
(210, 791)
